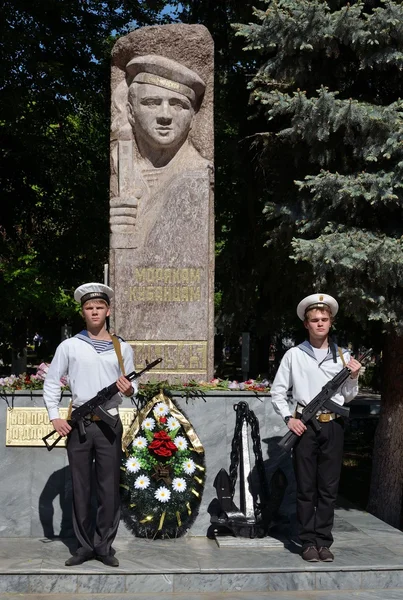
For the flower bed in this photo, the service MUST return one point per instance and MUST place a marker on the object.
(197, 388)
(13, 383)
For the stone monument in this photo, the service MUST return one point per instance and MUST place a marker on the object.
(161, 205)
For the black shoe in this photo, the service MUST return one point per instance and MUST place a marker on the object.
(325, 555)
(310, 554)
(78, 559)
(108, 560)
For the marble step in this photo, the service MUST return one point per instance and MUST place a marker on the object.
(368, 566)
(316, 582)
(387, 594)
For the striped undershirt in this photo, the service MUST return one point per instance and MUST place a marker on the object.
(101, 345)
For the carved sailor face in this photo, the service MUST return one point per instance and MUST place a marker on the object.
(160, 117)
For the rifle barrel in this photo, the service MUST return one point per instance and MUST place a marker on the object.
(135, 375)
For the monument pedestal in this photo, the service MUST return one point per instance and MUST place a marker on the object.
(36, 492)
(36, 500)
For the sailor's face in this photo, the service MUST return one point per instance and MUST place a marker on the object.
(95, 313)
(318, 323)
(161, 117)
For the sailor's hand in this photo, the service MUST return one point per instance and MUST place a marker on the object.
(354, 367)
(61, 426)
(296, 426)
(124, 386)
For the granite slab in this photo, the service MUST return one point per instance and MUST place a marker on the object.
(243, 595)
(36, 489)
(195, 565)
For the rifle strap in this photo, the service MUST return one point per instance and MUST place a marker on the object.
(116, 345)
(341, 356)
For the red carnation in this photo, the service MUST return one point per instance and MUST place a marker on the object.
(162, 444)
(163, 420)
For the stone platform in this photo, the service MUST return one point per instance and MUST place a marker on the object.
(368, 566)
(35, 495)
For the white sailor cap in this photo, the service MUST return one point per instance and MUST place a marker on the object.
(317, 301)
(92, 291)
(166, 73)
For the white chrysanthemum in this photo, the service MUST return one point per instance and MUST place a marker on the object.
(189, 467)
(173, 423)
(179, 484)
(163, 494)
(140, 442)
(148, 423)
(161, 409)
(142, 482)
(181, 442)
(132, 465)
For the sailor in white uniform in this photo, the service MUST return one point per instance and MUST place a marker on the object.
(317, 455)
(91, 361)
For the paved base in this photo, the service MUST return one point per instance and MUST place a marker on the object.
(336, 595)
(368, 566)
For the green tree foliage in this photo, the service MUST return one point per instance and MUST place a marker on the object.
(54, 100)
(329, 86)
(330, 90)
(245, 267)
(55, 103)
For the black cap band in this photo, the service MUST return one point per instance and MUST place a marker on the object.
(93, 295)
(318, 305)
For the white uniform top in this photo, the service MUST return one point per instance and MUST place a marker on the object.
(88, 372)
(301, 372)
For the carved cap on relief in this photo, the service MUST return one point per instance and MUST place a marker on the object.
(166, 73)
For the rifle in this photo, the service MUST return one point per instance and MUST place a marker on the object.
(322, 400)
(94, 407)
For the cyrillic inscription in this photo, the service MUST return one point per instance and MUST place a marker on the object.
(27, 426)
(164, 294)
(179, 357)
(166, 285)
(151, 275)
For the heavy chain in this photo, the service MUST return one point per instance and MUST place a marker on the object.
(244, 413)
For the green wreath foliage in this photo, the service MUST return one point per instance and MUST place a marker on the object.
(162, 475)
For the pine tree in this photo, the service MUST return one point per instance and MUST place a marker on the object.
(246, 299)
(330, 86)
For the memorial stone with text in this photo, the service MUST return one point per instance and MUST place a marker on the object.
(161, 206)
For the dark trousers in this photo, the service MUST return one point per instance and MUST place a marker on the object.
(101, 446)
(317, 464)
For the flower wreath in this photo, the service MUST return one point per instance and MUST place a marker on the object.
(163, 471)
